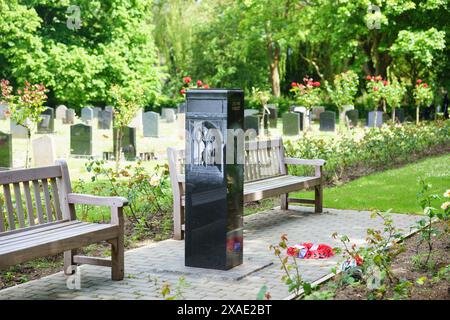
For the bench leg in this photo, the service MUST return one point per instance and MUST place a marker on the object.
(117, 259)
(178, 219)
(284, 201)
(68, 262)
(318, 198)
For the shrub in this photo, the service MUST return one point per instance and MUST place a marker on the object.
(388, 145)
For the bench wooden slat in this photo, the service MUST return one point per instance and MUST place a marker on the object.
(48, 236)
(56, 246)
(38, 233)
(21, 175)
(36, 228)
(19, 206)
(56, 198)
(9, 207)
(48, 204)
(29, 203)
(38, 201)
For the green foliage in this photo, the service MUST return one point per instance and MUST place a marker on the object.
(426, 226)
(148, 194)
(423, 95)
(307, 94)
(178, 294)
(113, 46)
(290, 267)
(345, 87)
(394, 94)
(373, 262)
(389, 144)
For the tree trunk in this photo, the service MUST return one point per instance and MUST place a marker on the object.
(375, 119)
(273, 56)
(342, 122)
(393, 114)
(118, 147)
(417, 115)
(275, 72)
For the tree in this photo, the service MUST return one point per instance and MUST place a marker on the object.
(80, 52)
(126, 102)
(423, 96)
(394, 93)
(25, 108)
(345, 87)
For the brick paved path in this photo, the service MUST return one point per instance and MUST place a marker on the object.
(147, 268)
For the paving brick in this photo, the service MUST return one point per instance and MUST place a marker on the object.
(163, 261)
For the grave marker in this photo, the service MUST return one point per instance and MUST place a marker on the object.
(44, 152)
(81, 140)
(291, 123)
(327, 121)
(61, 112)
(5, 150)
(47, 124)
(371, 119)
(150, 121)
(251, 122)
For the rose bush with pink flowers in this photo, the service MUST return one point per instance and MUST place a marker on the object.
(307, 94)
(423, 96)
(187, 84)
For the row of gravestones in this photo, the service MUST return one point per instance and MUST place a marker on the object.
(81, 141)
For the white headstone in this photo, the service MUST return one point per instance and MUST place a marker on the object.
(61, 112)
(87, 114)
(18, 131)
(44, 151)
(137, 120)
(170, 115)
(181, 123)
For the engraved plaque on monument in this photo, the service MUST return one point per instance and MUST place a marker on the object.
(214, 187)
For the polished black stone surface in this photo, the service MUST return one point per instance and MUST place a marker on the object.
(214, 188)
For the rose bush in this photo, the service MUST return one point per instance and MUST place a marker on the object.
(376, 148)
(307, 94)
(423, 96)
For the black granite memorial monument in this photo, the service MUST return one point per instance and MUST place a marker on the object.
(214, 187)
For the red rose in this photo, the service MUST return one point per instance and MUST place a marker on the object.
(292, 252)
(187, 79)
(425, 85)
(368, 78)
(385, 83)
(183, 91)
(379, 78)
(375, 88)
(294, 84)
(199, 83)
(359, 260)
(205, 86)
(317, 84)
(419, 81)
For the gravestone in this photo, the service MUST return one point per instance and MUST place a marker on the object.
(81, 140)
(181, 124)
(18, 131)
(150, 122)
(181, 107)
(303, 115)
(136, 122)
(44, 152)
(214, 179)
(96, 111)
(291, 123)
(371, 119)
(400, 115)
(128, 142)
(273, 116)
(70, 116)
(61, 112)
(47, 123)
(250, 112)
(251, 122)
(170, 115)
(87, 114)
(352, 116)
(3, 108)
(316, 111)
(163, 112)
(327, 121)
(5, 150)
(105, 118)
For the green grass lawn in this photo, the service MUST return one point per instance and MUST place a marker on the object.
(394, 188)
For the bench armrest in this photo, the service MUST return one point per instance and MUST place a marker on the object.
(307, 162)
(77, 198)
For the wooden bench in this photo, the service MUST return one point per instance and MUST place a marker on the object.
(44, 222)
(266, 175)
